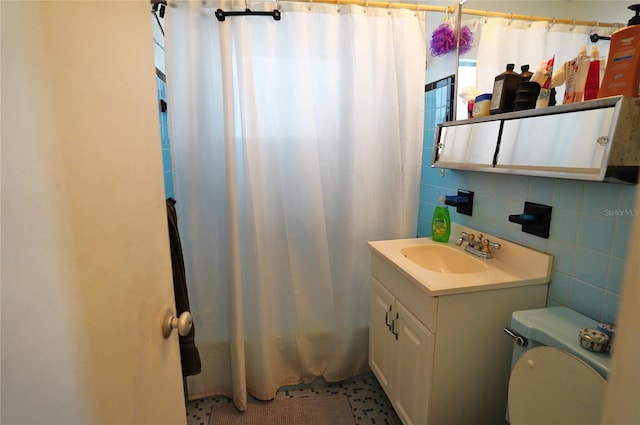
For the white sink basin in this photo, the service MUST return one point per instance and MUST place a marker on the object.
(444, 259)
(445, 268)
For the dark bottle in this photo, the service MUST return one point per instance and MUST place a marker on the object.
(525, 73)
(505, 87)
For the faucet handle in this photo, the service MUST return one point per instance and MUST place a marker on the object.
(486, 243)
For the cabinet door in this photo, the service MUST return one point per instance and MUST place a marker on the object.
(574, 141)
(382, 342)
(466, 145)
(414, 368)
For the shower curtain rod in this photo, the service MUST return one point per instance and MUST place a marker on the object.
(449, 9)
(452, 9)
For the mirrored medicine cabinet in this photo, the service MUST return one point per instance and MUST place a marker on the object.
(597, 140)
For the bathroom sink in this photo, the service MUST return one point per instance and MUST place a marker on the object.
(442, 268)
(443, 259)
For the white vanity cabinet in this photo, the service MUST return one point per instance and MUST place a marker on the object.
(401, 355)
(443, 359)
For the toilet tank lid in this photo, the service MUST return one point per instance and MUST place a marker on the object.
(559, 327)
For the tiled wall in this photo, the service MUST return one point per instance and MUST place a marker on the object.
(164, 142)
(589, 227)
(158, 45)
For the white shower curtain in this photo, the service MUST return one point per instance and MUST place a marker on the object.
(294, 143)
(504, 41)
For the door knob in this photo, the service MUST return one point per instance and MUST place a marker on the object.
(182, 323)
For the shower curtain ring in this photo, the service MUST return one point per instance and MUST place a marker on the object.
(573, 26)
(530, 20)
(417, 9)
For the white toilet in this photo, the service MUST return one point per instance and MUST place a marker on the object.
(553, 379)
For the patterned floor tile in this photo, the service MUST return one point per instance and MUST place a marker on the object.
(369, 403)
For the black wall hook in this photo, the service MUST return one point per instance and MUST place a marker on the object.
(463, 202)
(221, 14)
(595, 37)
(535, 220)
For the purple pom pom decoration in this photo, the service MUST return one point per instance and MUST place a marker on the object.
(466, 40)
(443, 40)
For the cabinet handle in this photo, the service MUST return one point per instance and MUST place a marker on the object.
(393, 326)
(386, 317)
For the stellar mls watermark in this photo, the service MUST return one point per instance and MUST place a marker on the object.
(631, 212)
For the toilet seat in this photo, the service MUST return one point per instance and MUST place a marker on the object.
(550, 386)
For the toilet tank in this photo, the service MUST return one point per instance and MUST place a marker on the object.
(557, 327)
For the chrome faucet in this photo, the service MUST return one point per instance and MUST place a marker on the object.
(479, 247)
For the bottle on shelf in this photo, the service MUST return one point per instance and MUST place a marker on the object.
(525, 73)
(622, 73)
(505, 87)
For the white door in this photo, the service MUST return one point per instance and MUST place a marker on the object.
(86, 272)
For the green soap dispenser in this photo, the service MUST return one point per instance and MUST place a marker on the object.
(441, 224)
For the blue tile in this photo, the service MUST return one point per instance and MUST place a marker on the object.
(564, 226)
(482, 183)
(586, 299)
(496, 209)
(164, 136)
(168, 185)
(426, 157)
(560, 288)
(464, 178)
(431, 175)
(615, 277)
(453, 179)
(166, 160)
(626, 202)
(599, 197)
(512, 232)
(595, 233)
(591, 267)
(553, 303)
(424, 228)
(620, 243)
(517, 187)
(540, 190)
(494, 228)
(610, 308)
(432, 194)
(423, 191)
(499, 183)
(480, 205)
(535, 242)
(567, 195)
(563, 256)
